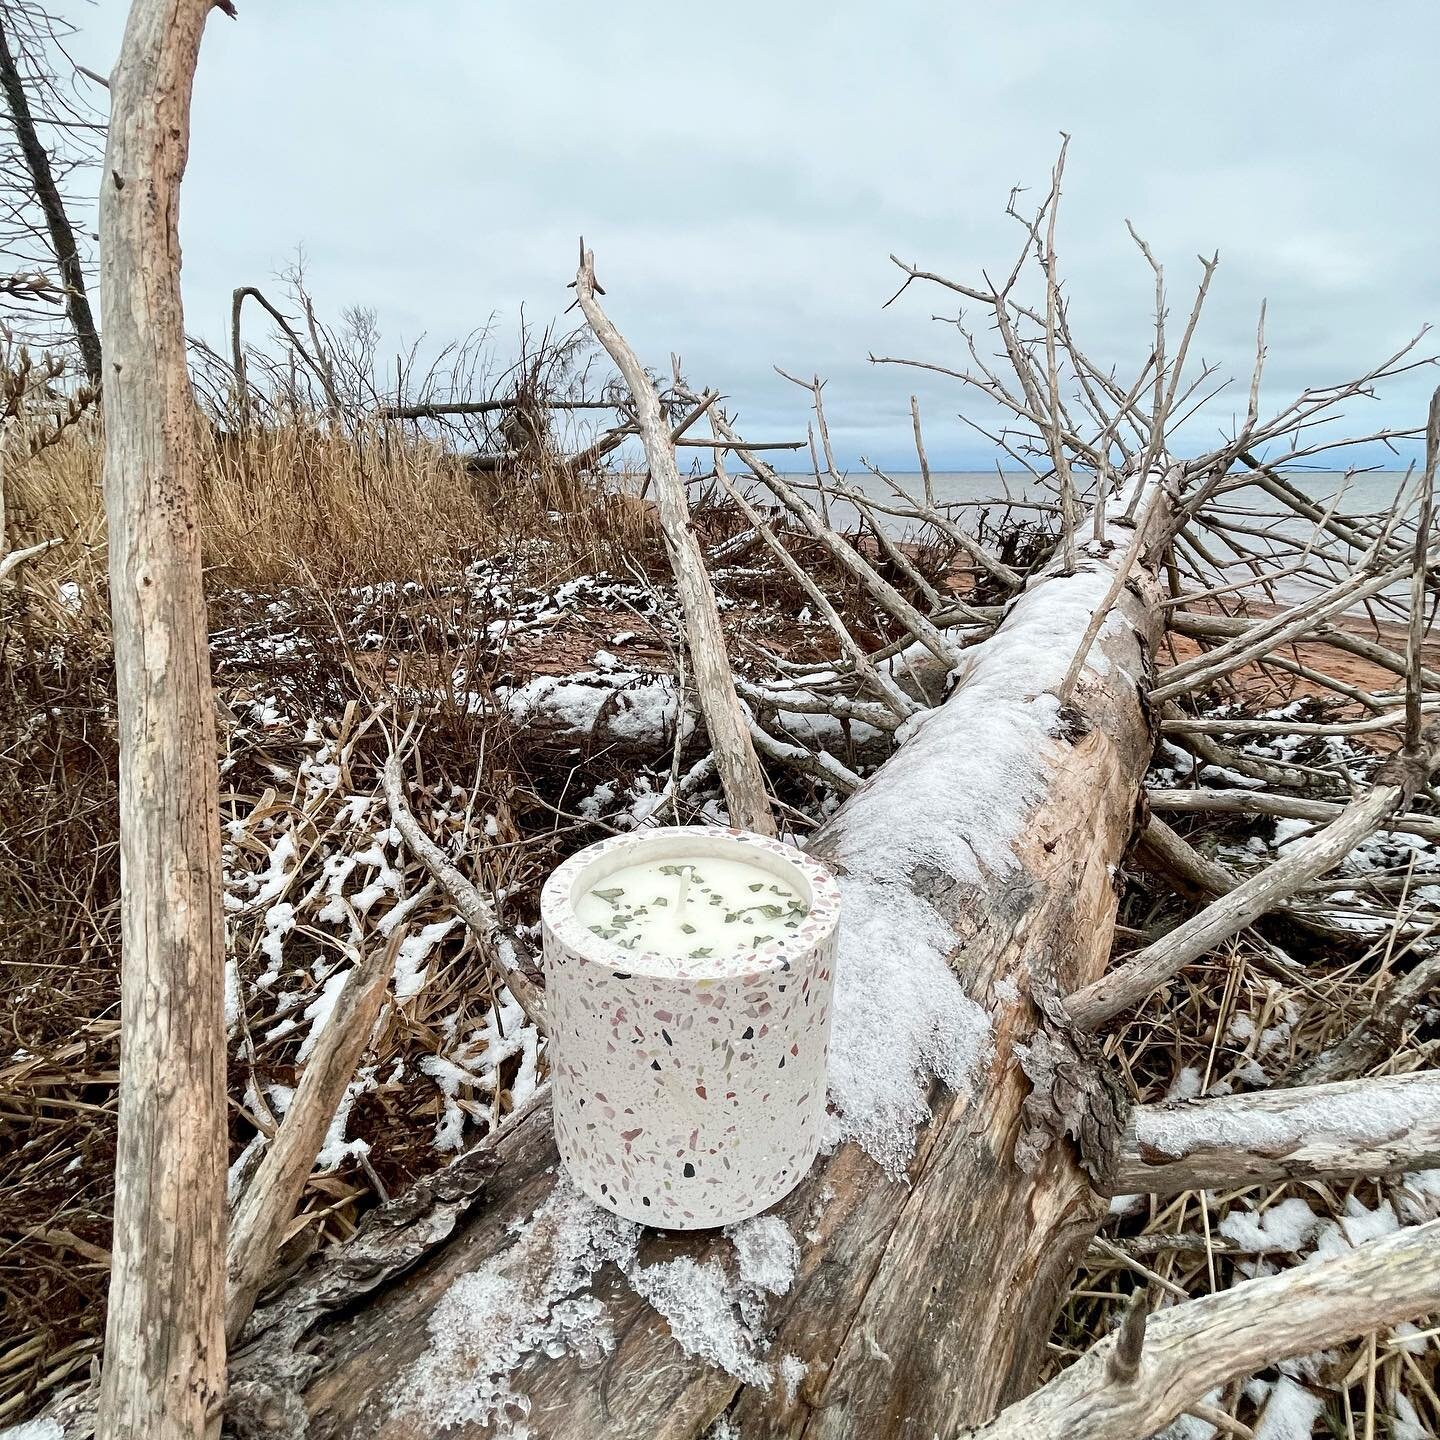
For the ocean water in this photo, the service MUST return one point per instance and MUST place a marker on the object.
(1275, 534)
(1364, 495)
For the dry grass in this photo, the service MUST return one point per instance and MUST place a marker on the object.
(308, 503)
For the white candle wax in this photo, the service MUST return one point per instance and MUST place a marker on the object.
(691, 909)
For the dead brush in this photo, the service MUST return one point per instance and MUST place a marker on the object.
(59, 981)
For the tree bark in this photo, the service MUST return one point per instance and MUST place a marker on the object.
(164, 1370)
(52, 206)
(917, 1306)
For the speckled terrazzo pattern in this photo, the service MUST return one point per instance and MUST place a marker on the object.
(688, 1093)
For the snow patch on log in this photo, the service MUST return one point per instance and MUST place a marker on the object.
(518, 1302)
(767, 1253)
(41, 1429)
(697, 1301)
(1187, 1126)
(530, 1298)
(949, 812)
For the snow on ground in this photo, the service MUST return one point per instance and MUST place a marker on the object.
(33, 1430)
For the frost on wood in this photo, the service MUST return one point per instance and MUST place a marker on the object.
(522, 1300)
(950, 811)
(698, 1301)
(532, 1298)
(1368, 1113)
(766, 1252)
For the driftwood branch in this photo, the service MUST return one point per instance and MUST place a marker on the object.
(1194, 1347)
(885, 595)
(12, 560)
(1281, 807)
(735, 759)
(1396, 1010)
(164, 1375)
(268, 1204)
(237, 349)
(873, 679)
(1379, 1126)
(438, 410)
(1313, 855)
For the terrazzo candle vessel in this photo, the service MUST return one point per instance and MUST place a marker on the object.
(688, 978)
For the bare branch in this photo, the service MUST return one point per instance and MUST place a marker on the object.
(1303, 861)
(1192, 1348)
(740, 773)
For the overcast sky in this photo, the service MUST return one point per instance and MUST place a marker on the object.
(743, 171)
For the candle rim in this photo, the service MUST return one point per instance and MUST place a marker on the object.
(558, 895)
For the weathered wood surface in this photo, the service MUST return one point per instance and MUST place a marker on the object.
(164, 1345)
(1192, 1348)
(1379, 1126)
(918, 1306)
(740, 774)
(267, 1205)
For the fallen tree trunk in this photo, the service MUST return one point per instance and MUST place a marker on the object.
(986, 848)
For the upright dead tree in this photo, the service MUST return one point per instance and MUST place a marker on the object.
(24, 30)
(164, 1369)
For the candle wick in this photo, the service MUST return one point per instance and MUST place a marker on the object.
(685, 875)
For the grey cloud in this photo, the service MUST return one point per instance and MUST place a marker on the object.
(744, 172)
